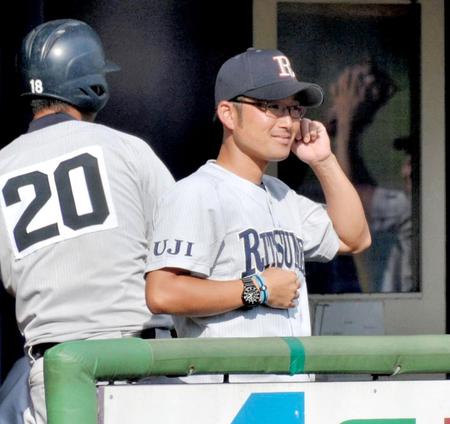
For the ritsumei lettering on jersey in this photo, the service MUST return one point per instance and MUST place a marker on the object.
(56, 200)
(278, 248)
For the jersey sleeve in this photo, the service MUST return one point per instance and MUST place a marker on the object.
(321, 242)
(188, 228)
(154, 178)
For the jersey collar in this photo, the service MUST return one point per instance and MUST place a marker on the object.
(47, 120)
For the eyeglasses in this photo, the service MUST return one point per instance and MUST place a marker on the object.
(275, 110)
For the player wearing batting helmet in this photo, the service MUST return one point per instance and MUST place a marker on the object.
(233, 263)
(76, 204)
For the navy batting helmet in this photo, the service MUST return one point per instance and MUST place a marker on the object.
(64, 59)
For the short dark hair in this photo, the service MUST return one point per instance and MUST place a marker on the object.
(39, 104)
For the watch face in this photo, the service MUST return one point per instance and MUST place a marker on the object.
(251, 294)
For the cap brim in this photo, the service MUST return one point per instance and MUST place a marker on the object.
(308, 94)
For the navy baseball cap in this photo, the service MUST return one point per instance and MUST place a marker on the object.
(264, 75)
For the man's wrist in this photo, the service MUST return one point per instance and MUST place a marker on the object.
(324, 164)
(259, 279)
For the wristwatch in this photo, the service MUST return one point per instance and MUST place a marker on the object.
(251, 295)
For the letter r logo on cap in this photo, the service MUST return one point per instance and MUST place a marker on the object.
(285, 66)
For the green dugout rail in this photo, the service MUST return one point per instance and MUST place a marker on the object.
(72, 369)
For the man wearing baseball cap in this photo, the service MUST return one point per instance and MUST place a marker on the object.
(232, 263)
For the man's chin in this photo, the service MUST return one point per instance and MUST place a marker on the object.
(279, 158)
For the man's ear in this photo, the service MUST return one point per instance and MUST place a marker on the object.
(227, 114)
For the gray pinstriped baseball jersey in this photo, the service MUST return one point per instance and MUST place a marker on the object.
(220, 226)
(76, 203)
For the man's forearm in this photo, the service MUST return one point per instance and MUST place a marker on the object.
(343, 205)
(182, 294)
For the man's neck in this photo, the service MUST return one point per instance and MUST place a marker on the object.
(236, 161)
(69, 110)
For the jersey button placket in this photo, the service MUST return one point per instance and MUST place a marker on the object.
(277, 225)
(270, 206)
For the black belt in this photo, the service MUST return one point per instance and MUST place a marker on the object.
(37, 351)
(150, 333)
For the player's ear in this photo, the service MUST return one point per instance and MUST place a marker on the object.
(227, 114)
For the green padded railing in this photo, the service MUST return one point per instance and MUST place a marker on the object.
(72, 368)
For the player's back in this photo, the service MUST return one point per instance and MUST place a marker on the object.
(76, 206)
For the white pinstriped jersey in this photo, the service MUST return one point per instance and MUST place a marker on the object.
(76, 204)
(222, 227)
